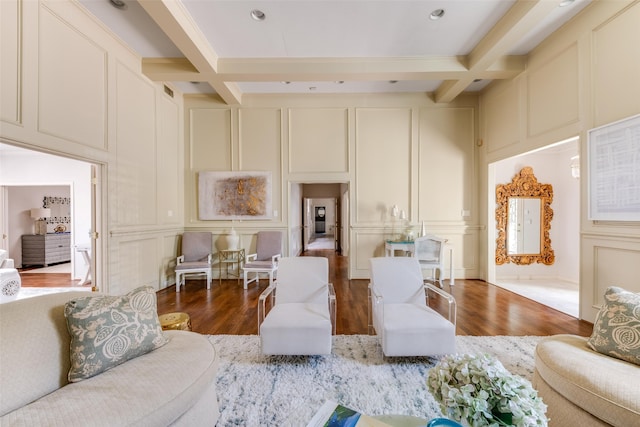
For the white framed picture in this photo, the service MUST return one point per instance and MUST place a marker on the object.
(234, 195)
(614, 171)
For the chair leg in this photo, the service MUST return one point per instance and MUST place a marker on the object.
(209, 279)
(178, 279)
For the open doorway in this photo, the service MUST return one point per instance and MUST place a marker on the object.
(555, 285)
(31, 179)
(324, 213)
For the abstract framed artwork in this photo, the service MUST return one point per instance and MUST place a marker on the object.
(234, 195)
(614, 162)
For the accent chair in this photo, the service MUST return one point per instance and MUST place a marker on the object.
(399, 312)
(196, 258)
(297, 313)
(265, 259)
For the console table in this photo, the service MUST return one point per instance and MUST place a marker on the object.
(390, 246)
(231, 261)
(45, 249)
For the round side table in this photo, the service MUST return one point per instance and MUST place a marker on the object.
(175, 321)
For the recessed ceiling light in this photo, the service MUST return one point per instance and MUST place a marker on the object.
(312, 88)
(477, 80)
(258, 15)
(285, 83)
(564, 3)
(340, 82)
(118, 4)
(436, 14)
(393, 82)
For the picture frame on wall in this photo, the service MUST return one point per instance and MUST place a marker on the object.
(614, 171)
(230, 195)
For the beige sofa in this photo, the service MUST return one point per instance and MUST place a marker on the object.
(582, 387)
(172, 385)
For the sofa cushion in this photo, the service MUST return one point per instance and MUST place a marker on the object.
(154, 389)
(599, 384)
(616, 331)
(109, 330)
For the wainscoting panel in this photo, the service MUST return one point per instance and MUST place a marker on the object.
(11, 61)
(72, 83)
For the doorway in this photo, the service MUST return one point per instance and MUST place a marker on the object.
(555, 285)
(323, 216)
(28, 177)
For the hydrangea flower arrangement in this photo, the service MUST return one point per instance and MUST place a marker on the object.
(478, 390)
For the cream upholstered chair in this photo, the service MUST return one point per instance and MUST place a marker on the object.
(265, 259)
(302, 315)
(399, 311)
(10, 281)
(196, 257)
(429, 250)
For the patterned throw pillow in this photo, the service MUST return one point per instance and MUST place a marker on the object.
(109, 330)
(616, 331)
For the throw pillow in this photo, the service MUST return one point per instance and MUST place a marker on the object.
(109, 330)
(616, 331)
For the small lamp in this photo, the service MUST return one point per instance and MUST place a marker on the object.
(39, 214)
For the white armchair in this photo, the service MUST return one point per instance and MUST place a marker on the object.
(10, 281)
(196, 258)
(265, 259)
(399, 312)
(302, 315)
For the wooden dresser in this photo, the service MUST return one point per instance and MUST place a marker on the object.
(45, 249)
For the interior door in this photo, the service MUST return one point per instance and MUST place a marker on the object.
(307, 223)
(337, 232)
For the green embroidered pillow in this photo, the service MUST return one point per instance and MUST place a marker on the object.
(109, 330)
(616, 331)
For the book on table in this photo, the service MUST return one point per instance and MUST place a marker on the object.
(332, 414)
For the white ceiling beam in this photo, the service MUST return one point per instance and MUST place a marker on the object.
(523, 16)
(329, 69)
(178, 25)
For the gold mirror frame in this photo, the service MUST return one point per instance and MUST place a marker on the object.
(524, 184)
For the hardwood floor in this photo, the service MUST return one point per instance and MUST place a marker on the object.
(483, 309)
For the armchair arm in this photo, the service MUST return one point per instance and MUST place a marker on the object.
(374, 300)
(450, 299)
(180, 260)
(210, 259)
(251, 257)
(262, 304)
(276, 258)
(332, 307)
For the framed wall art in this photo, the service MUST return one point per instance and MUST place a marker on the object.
(614, 171)
(234, 195)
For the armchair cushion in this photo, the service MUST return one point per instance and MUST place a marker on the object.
(268, 244)
(109, 330)
(616, 331)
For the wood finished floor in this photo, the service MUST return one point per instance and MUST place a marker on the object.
(483, 309)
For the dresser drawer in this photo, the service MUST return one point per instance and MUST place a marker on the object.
(46, 249)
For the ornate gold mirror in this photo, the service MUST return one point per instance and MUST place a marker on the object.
(524, 216)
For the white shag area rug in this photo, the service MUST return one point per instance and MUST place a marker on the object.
(258, 390)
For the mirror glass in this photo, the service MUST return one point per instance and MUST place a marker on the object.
(523, 225)
(523, 216)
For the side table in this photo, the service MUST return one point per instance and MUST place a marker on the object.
(230, 261)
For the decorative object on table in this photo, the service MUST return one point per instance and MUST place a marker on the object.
(233, 240)
(479, 391)
(60, 228)
(176, 321)
(40, 215)
(234, 195)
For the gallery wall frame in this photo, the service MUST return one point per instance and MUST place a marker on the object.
(614, 171)
(228, 195)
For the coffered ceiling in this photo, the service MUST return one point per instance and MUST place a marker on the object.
(332, 46)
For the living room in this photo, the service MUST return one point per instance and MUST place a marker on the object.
(73, 89)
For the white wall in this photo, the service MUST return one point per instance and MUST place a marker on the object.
(70, 87)
(582, 77)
